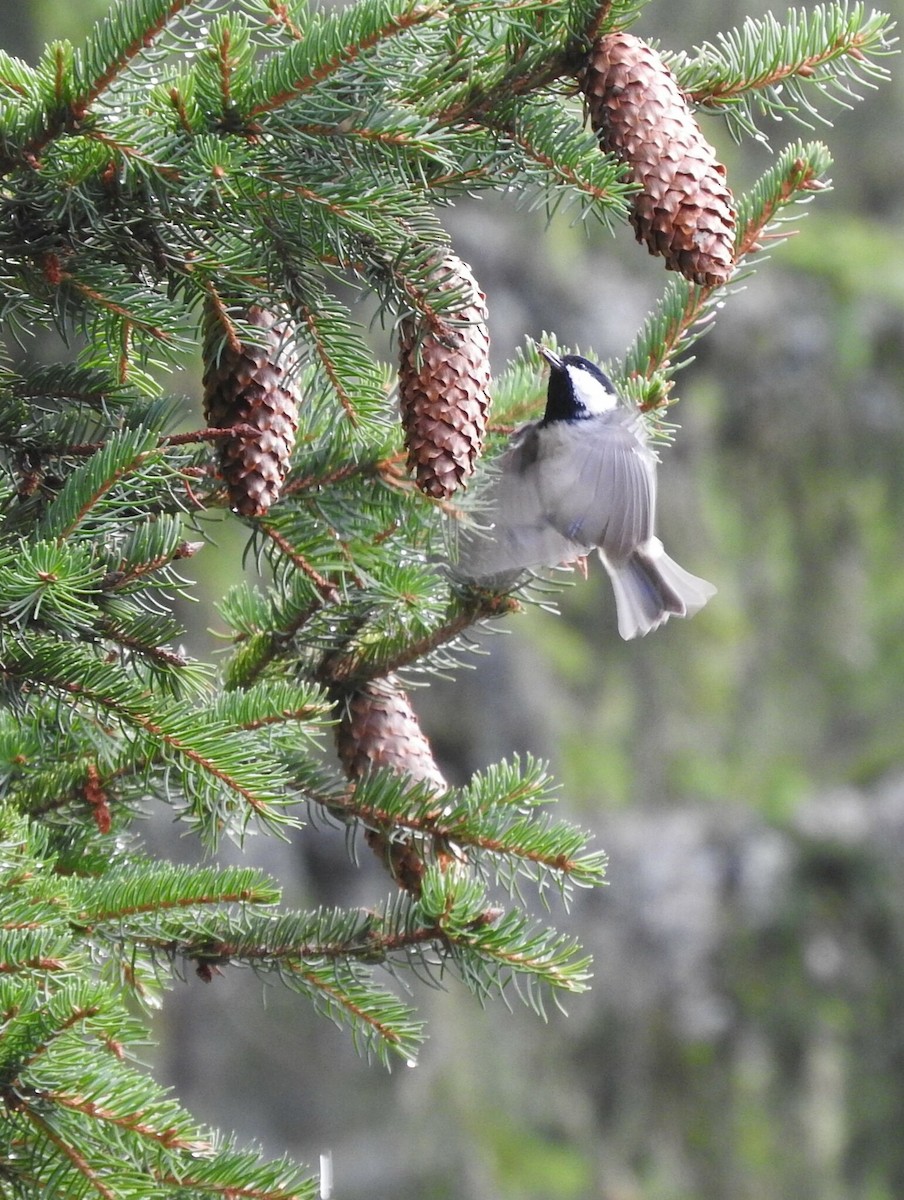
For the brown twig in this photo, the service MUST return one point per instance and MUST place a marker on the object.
(327, 590)
(720, 93)
(341, 669)
(348, 54)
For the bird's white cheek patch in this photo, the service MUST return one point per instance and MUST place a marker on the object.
(591, 393)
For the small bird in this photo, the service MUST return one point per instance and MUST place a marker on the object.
(580, 479)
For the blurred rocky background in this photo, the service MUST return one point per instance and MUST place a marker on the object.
(744, 1038)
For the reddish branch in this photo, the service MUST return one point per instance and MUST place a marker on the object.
(433, 825)
(245, 896)
(718, 93)
(143, 42)
(347, 55)
(98, 799)
(102, 301)
(232, 337)
(333, 374)
(556, 168)
(108, 484)
(225, 64)
(373, 945)
(328, 590)
(143, 721)
(78, 1160)
(595, 26)
(71, 114)
(168, 1137)
(281, 17)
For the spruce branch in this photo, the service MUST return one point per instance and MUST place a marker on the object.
(218, 1176)
(126, 466)
(146, 557)
(493, 951)
(327, 590)
(143, 636)
(597, 21)
(126, 31)
(363, 663)
(329, 956)
(225, 783)
(777, 67)
(50, 384)
(122, 313)
(496, 822)
(75, 1107)
(331, 42)
(84, 1172)
(267, 639)
(282, 16)
(572, 167)
(315, 326)
(142, 889)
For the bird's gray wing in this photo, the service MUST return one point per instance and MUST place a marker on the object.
(516, 533)
(597, 484)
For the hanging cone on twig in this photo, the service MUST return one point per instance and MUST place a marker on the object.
(252, 388)
(379, 729)
(685, 210)
(444, 385)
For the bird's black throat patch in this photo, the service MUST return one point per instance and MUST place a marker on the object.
(561, 402)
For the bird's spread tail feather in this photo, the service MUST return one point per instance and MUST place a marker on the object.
(650, 587)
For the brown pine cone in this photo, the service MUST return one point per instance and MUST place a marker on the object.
(255, 387)
(444, 386)
(379, 728)
(685, 210)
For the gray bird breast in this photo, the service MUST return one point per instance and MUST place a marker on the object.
(561, 489)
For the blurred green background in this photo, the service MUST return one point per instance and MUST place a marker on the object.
(745, 771)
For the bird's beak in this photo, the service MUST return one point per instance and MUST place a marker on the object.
(553, 359)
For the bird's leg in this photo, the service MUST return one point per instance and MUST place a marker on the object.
(579, 563)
